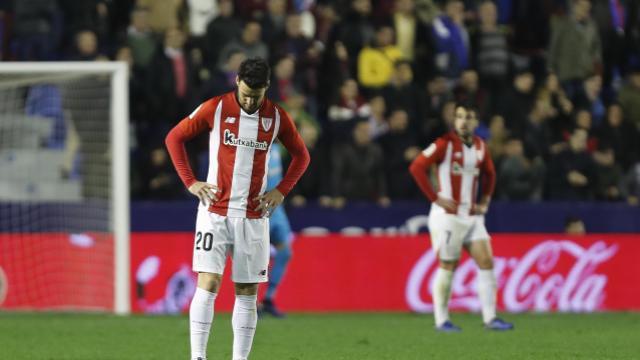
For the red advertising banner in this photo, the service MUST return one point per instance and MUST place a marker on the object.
(56, 271)
(535, 272)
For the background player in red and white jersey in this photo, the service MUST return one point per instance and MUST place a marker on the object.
(456, 220)
(233, 215)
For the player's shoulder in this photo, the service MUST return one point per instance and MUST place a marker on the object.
(445, 139)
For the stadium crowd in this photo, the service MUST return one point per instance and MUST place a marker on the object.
(370, 83)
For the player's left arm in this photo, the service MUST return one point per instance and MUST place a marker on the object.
(488, 181)
(300, 159)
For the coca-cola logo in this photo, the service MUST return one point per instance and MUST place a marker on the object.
(553, 275)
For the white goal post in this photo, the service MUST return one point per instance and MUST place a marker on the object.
(117, 197)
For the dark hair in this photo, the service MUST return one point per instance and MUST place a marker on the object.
(255, 72)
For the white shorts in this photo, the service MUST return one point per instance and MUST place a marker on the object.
(450, 232)
(246, 240)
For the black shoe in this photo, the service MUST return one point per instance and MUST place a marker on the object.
(270, 308)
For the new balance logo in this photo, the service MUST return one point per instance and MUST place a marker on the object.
(230, 120)
(230, 139)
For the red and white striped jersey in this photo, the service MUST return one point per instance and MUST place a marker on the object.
(239, 146)
(459, 168)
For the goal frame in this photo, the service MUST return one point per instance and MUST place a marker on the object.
(119, 144)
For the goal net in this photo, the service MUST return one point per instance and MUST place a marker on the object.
(64, 194)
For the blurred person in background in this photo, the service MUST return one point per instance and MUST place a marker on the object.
(400, 147)
(163, 14)
(159, 179)
(87, 14)
(519, 179)
(573, 225)
(377, 120)
(437, 95)
(571, 173)
(170, 95)
(376, 61)
(403, 93)
(220, 31)
(249, 42)
(490, 53)
(456, 219)
(589, 97)
(518, 101)
(451, 41)
(284, 81)
(273, 20)
(575, 51)
(345, 112)
(629, 97)
(280, 237)
(86, 47)
(140, 39)
(358, 170)
(621, 136)
(353, 31)
(37, 27)
(560, 107)
(434, 128)
(223, 79)
(468, 91)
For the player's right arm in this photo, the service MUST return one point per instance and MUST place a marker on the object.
(199, 121)
(419, 168)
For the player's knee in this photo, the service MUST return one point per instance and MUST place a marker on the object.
(449, 264)
(209, 281)
(246, 288)
(485, 263)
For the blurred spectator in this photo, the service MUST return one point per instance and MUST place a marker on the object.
(572, 172)
(377, 121)
(86, 47)
(249, 43)
(224, 78)
(201, 12)
(558, 104)
(517, 102)
(87, 14)
(609, 176)
(519, 178)
(295, 106)
(171, 93)
(629, 97)
(159, 176)
(220, 31)
(314, 184)
(538, 137)
(354, 31)
(358, 170)
(306, 52)
(350, 108)
(376, 61)
(427, 10)
(498, 136)
(283, 82)
(273, 21)
(490, 53)
(403, 93)
(400, 147)
(574, 226)
(434, 128)
(336, 63)
(138, 104)
(163, 14)
(451, 40)
(575, 51)
(632, 184)
(409, 30)
(620, 135)
(468, 91)
(36, 29)
(589, 97)
(436, 96)
(140, 39)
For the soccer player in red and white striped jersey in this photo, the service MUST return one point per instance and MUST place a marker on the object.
(456, 220)
(234, 210)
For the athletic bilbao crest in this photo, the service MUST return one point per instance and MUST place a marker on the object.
(266, 123)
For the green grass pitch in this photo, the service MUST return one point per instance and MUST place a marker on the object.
(394, 336)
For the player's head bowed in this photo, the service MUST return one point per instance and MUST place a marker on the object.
(255, 73)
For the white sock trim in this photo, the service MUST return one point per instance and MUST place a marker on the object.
(441, 292)
(487, 294)
(200, 320)
(243, 322)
